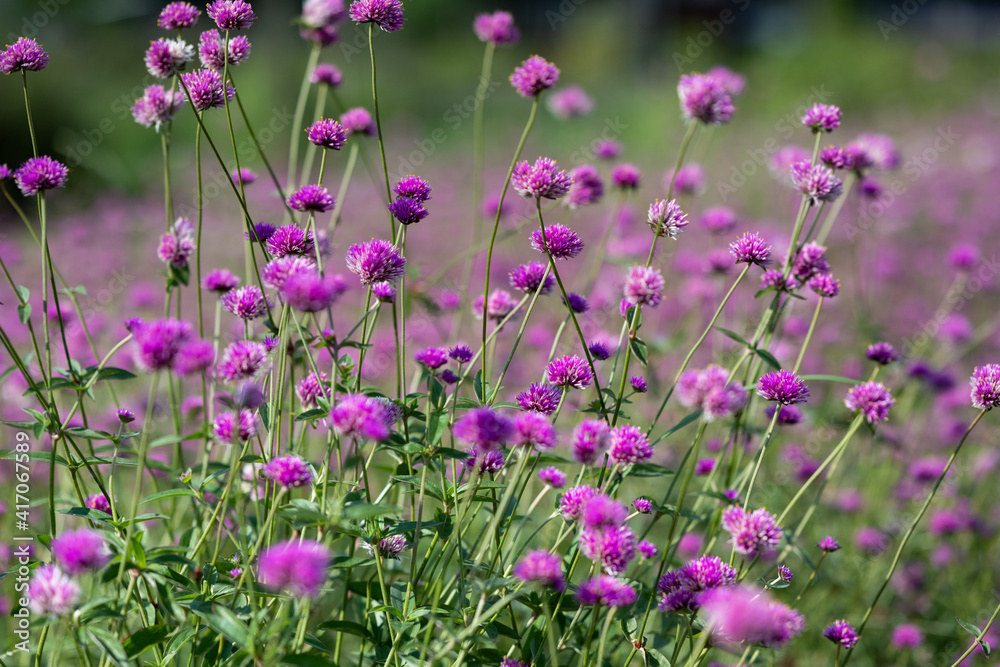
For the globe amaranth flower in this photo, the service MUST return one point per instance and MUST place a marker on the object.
(98, 502)
(358, 121)
(679, 589)
(666, 218)
(497, 28)
(312, 388)
(612, 547)
(710, 391)
(591, 439)
(178, 15)
(376, 261)
(557, 240)
(278, 271)
(626, 177)
(319, 13)
(125, 416)
(875, 150)
(751, 248)
(733, 82)
(533, 76)
(498, 306)
(541, 567)
(872, 399)
(810, 261)
(553, 477)
(310, 292)
(52, 592)
(220, 281)
(205, 88)
(461, 353)
(195, 356)
(576, 302)
(288, 471)
(40, 173)
(719, 219)
(605, 590)
(530, 277)
(408, 210)
(157, 343)
(985, 383)
(361, 416)
(432, 358)
(543, 179)
(298, 567)
(243, 360)
(599, 351)
(607, 149)
(704, 466)
(570, 102)
(212, 49)
(533, 429)
(644, 286)
(25, 54)
(629, 445)
(738, 615)
(842, 633)
(834, 157)
(484, 428)
(413, 187)
(569, 371)
(166, 57)
(385, 292)
(587, 187)
(487, 461)
(817, 182)
(690, 180)
(327, 74)
(327, 133)
(539, 398)
(751, 532)
(246, 303)
(231, 14)
(386, 14)
(784, 387)
(571, 503)
(79, 551)
(906, 635)
(388, 547)
(157, 106)
(788, 415)
(177, 245)
(704, 98)
(643, 505)
(314, 198)
(822, 118)
(828, 544)
(639, 384)
(323, 35)
(825, 285)
(235, 428)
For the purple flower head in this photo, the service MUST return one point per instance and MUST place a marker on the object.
(782, 160)
(288, 471)
(513, 662)
(309, 292)
(591, 439)
(751, 532)
(607, 149)
(497, 27)
(262, 231)
(25, 54)
(647, 549)
(541, 567)
(870, 187)
(384, 291)
(613, 547)
(577, 303)
(738, 615)
(985, 383)
(825, 285)
(680, 588)
(52, 592)
(539, 398)
(528, 277)
(666, 218)
(690, 180)
(906, 635)
(558, 240)
(783, 387)
(872, 399)
(376, 261)
(553, 477)
(543, 179)
(828, 544)
(322, 13)
(278, 271)
(99, 502)
(196, 356)
(364, 417)
(291, 240)
(570, 102)
(315, 198)
(704, 97)
(407, 210)
(643, 505)
(311, 388)
(485, 428)
(244, 360)
(876, 150)
(40, 173)
(211, 46)
(710, 390)
(704, 466)
(533, 429)
(834, 157)
(788, 415)
(156, 343)
(963, 256)
(231, 14)
(569, 371)
(177, 245)
(157, 106)
(125, 416)
(644, 286)
(629, 445)
(572, 502)
(327, 133)
(461, 353)
(784, 573)
(599, 351)
(488, 461)
(79, 551)
(498, 306)
(587, 188)
(299, 568)
(432, 358)
(719, 219)
(386, 14)
(810, 261)
(178, 15)
(246, 303)
(842, 633)
(751, 248)
(533, 76)
(205, 88)
(601, 511)
(234, 428)
(390, 547)
(358, 121)
(816, 182)
(822, 118)
(220, 281)
(413, 187)
(605, 590)
(639, 384)
(626, 176)
(329, 75)
(5, 172)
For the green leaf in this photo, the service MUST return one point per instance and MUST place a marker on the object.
(35, 456)
(110, 373)
(357, 561)
(436, 427)
(768, 359)
(307, 660)
(23, 292)
(145, 639)
(359, 511)
(169, 493)
(506, 404)
(87, 513)
(732, 334)
(265, 416)
(311, 414)
(639, 349)
(350, 627)
(481, 391)
(389, 610)
(829, 378)
(87, 434)
(969, 627)
(112, 647)
(24, 312)
(658, 658)
(177, 643)
(222, 620)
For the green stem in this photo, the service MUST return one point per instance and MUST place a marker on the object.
(805, 343)
(760, 457)
(979, 638)
(300, 109)
(378, 126)
(685, 142)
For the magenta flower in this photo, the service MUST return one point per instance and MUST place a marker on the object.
(99, 502)
(872, 399)
(751, 532)
(570, 102)
(626, 176)
(810, 261)
(828, 544)
(244, 360)
(553, 477)
(528, 278)
(613, 547)
(51, 592)
(313, 198)
(558, 240)
(413, 187)
(157, 343)
(484, 428)
(25, 54)
(311, 388)
(288, 471)
(738, 615)
(432, 358)
(591, 439)
(205, 88)
(327, 74)
(297, 567)
(541, 567)
(710, 390)
(985, 383)
(389, 547)
(40, 173)
(816, 182)
(211, 46)
(408, 210)
(246, 303)
(384, 291)
(639, 384)
(608, 149)
(386, 14)
(704, 98)
(543, 179)
(497, 28)
(327, 133)
(587, 188)
(647, 549)
(572, 502)
(532, 429)
(822, 118)
(783, 387)
(842, 633)
(157, 106)
(690, 180)
(680, 588)
(233, 428)
(309, 292)
(644, 286)
(177, 245)
(178, 15)
(231, 14)
(196, 356)
(733, 82)
(666, 218)
(278, 271)
(533, 76)
(751, 248)
(569, 371)
(906, 635)
(629, 445)
(376, 261)
(364, 417)
(607, 591)
(825, 285)
(78, 551)
(358, 121)
(643, 505)
(539, 398)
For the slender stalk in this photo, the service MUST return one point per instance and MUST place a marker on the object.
(378, 126)
(760, 458)
(812, 328)
(979, 638)
(300, 109)
(685, 142)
